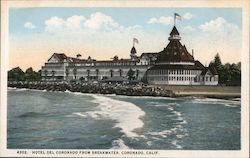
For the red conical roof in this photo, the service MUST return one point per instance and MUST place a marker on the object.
(133, 50)
(174, 31)
(175, 52)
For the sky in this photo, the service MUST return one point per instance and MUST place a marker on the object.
(37, 33)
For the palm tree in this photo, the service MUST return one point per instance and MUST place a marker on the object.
(67, 73)
(78, 55)
(130, 74)
(137, 73)
(75, 72)
(88, 73)
(53, 74)
(120, 72)
(111, 73)
(45, 73)
(97, 73)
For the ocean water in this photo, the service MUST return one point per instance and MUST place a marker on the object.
(65, 120)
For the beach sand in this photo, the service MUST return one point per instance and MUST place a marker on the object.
(225, 92)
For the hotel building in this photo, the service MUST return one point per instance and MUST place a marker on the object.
(174, 65)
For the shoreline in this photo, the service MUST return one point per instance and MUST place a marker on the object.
(216, 92)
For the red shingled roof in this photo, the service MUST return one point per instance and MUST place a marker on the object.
(133, 50)
(60, 56)
(175, 51)
(174, 31)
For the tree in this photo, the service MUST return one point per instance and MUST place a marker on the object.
(115, 57)
(229, 74)
(31, 75)
(78, 55)
(16, 74)
(216, 63)
(235, 75)
(81, 79)
(130, 74)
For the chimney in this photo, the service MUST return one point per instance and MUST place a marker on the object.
(193, 52)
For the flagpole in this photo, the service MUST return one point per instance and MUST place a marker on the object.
(174, 19)
(133, 42)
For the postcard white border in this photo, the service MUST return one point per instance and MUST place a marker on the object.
(243, 4)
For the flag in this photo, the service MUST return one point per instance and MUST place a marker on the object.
(177, 16)
(135, 40)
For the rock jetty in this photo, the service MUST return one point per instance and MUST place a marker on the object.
(98, 88)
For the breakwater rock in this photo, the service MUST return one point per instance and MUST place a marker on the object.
(99, 88)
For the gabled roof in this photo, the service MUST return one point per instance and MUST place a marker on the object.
(199, 64)
(150, 54)
(174, 31)
(211, 69)
(204, 71)
(60, 56)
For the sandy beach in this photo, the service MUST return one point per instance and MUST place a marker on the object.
(206, 91)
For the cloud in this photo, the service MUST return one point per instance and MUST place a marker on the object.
(187, 16)
(75, 22)
(188, 28)
(29, 25)
(55, 24)
(99, 20)
(213, 25)
(218, 25)
(216, 35)
(166, 20)
(219, 28)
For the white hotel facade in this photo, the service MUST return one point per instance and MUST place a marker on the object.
(172, 66)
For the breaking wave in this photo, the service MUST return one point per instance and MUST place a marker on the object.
(119, 144)
(126, 114)
(177, 130)
(229, 103)
(32, 114)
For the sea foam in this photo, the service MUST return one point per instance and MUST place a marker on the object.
(211, 101)
(126, 115)
(119, 144)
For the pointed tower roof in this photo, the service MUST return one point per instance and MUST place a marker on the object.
(133, 50)
(175, 51)
(174, 32)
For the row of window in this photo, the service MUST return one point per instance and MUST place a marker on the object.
(170, 78)
(182, 78)
(105, 64)
(174, 72)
